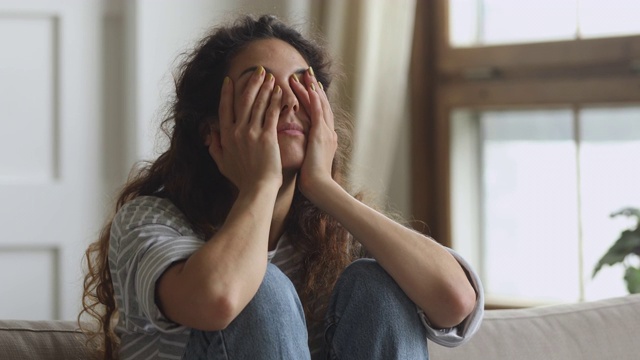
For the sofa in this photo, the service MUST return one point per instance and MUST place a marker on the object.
(603, 330)
(600, 330)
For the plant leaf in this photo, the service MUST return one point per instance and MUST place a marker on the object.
(628, 211)
(628, 242)
(632, 277)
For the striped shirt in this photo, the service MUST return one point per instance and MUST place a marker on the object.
(149, 234)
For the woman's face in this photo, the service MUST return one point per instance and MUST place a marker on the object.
(282, 60)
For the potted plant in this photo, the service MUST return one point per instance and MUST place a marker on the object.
(624, 250)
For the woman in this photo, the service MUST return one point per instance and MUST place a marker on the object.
(242, 235)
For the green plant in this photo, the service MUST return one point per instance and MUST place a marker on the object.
(623, 250)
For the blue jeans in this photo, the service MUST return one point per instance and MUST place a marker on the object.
(368, 317)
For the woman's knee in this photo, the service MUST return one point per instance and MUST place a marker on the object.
(367, 275)
(367, 284)
(271, 324)
(275, 299)
(276, 288)
(371, 316)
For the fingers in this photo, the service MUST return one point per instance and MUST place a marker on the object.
(273, 111)
(244, 149)
(313, 97)
(326, 106)
(261, 102)
(250, 106)
(299, 89)
(225, 111)
(315, 110)
(245, 103)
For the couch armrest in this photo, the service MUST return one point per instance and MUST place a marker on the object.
(605, 329)
(49, 340)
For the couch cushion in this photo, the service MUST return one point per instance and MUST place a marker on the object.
(49, 340)
(606, 329)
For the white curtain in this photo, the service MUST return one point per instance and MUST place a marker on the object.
(372, 39)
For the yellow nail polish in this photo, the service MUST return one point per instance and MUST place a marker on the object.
(295, 77)
(269, 77)
(311, 71)
(277, 89)
(313, 87)
(226, 80)
(321, 86)
(259, 70)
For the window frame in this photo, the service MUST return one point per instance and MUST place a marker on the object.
(573, 73)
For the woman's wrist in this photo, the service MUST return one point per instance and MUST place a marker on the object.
(322, 192)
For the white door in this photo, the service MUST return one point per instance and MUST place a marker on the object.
(55, 132)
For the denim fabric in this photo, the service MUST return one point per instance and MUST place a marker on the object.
(369, 317)
(271, 327)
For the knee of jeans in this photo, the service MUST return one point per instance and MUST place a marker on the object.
(366, 276)
(276, 278)
(366, 270)
(276, 302)
(276, 286)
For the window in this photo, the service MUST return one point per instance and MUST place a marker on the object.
(544, 183)
(494, 22)
(537, 115)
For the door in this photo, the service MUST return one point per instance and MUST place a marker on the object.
(55, 135)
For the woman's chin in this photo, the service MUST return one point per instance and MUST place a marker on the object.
(292, 156)
(291, 165)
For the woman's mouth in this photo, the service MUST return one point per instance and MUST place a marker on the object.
(292, 129)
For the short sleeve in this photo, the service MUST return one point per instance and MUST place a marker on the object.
(157, 253)
(145, 242)
(464, 331)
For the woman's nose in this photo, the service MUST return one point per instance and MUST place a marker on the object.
(289, 98)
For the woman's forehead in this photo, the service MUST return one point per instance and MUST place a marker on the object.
(273, 54)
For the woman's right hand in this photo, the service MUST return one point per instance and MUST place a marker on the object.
(245, 147)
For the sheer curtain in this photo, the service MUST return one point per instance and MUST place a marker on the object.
(372, 39)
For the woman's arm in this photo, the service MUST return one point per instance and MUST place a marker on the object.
(210, 288)
(425, 270)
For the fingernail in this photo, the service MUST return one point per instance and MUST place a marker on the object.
(277, 89)
(313, 87)
(320, 84)
(311, 71)
(269, 77)
(259, 70)
(226, 80)
(295, 77)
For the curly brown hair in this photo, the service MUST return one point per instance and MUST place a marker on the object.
(187, 175)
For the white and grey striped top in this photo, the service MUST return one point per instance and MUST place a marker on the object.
(148, 234)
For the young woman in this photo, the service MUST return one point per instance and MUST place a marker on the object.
(242, 241)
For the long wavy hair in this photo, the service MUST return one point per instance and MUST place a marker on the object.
(187, 175)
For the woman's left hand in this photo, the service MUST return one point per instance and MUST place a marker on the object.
(322, 140)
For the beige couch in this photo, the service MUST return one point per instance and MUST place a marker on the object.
(602, 330)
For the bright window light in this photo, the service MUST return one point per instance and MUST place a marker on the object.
(543, 183)
(497, 22)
